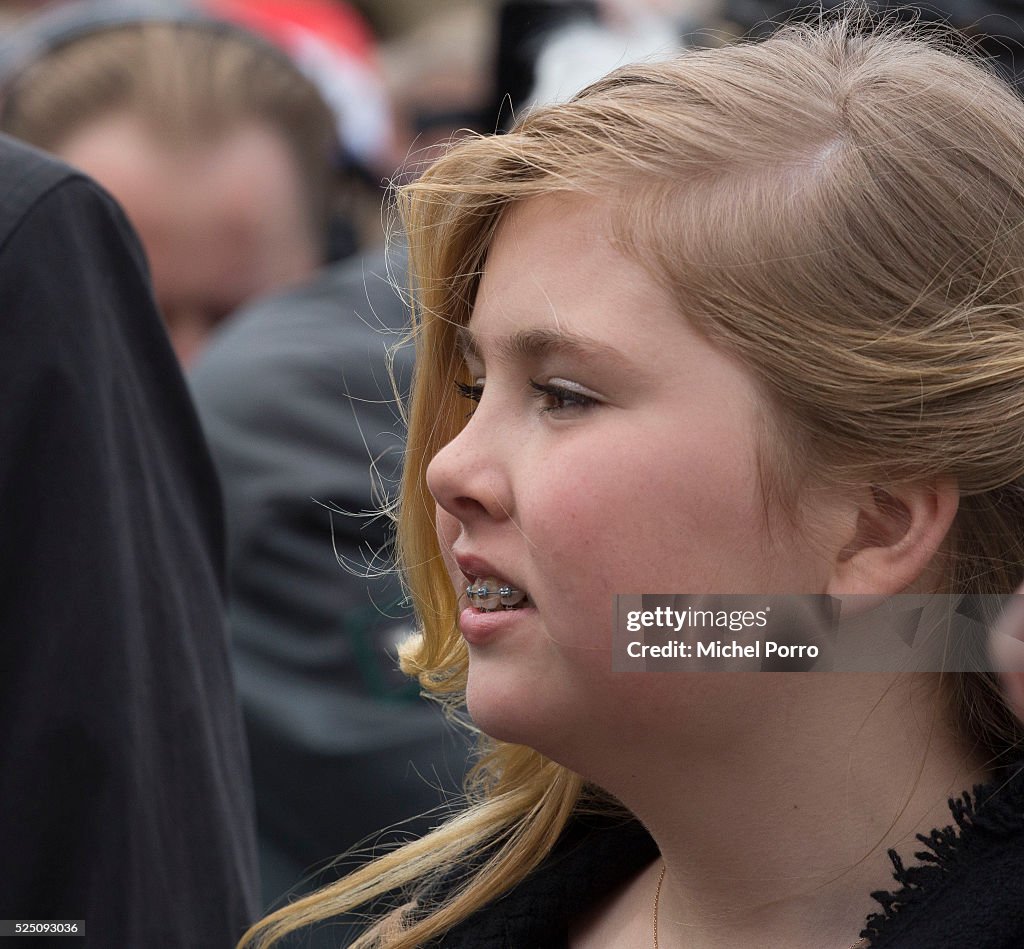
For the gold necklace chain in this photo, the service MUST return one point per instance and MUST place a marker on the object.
(657, 900)
(859, 944)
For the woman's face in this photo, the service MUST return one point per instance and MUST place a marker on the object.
(611, 450)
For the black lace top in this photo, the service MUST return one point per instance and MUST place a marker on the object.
(964, 890)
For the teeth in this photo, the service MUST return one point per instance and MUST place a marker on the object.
(487, 596)
(510, 596)
(490, 593)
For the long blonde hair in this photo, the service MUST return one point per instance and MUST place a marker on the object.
(840, 208)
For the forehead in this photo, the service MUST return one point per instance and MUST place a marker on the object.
(556, 266)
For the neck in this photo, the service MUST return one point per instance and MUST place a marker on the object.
(776, 833)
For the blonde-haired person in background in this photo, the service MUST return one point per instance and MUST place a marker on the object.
(751, 321)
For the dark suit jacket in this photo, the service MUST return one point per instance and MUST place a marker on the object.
(124, 783)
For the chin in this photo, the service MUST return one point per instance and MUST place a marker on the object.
(510, 712)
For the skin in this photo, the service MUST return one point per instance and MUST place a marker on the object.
(1006, 646)
(636, 470)
(222, 222)
(530, 482)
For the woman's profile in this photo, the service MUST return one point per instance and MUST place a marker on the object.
(748, 322)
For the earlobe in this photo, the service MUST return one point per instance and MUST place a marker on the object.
(898, 535)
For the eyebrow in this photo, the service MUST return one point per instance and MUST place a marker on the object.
(536, 343)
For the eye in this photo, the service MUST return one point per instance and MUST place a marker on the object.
(555, 397)
(472, 392)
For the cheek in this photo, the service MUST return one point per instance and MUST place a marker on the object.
(652, 521)
(448, 528)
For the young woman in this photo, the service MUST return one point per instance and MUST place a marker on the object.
(747, 322)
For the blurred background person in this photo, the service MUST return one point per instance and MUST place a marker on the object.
(438, 61)
(222, 152)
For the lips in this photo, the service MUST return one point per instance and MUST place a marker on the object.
(487, 590)
(489, 594)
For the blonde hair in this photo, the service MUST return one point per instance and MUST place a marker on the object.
(188, 81)
(842, 209)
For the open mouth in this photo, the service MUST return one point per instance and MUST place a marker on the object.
(491, 594)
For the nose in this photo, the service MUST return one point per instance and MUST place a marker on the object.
(469, 477)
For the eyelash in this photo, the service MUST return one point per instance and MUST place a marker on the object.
(472, 392)
(563, 398)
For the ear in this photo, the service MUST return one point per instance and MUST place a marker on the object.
(897, 536)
